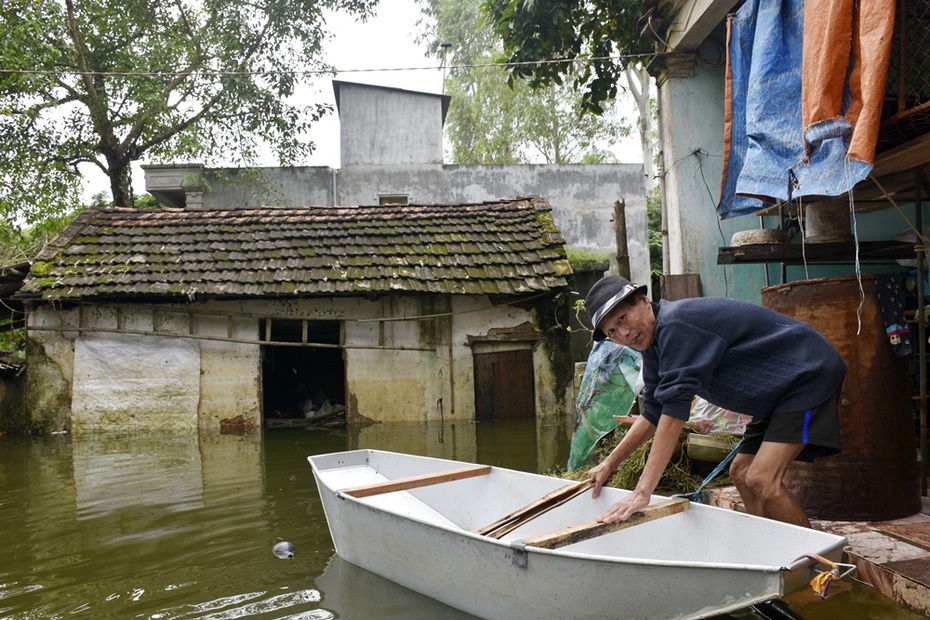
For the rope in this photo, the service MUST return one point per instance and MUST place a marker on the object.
(695, 496)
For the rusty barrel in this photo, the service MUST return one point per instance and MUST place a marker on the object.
(876, 476)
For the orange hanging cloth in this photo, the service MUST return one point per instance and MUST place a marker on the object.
(846, 38)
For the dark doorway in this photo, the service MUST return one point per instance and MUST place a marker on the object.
(505, 399)
(504, 385)
(301, 381)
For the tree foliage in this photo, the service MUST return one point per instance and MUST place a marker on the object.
(598, 39)
(104, 82)
(495, 119)
(595, 45)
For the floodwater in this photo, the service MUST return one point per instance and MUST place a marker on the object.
(163, 527)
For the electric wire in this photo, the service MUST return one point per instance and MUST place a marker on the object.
(324, 72)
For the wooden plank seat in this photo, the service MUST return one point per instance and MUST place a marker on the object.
(592, 529)
(413, 482)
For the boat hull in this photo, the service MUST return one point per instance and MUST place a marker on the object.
(423, 539)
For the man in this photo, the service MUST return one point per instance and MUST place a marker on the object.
(739, 356)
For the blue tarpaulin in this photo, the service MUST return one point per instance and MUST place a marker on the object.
(805, 83)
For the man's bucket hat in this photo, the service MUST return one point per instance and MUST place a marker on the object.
(604, 297)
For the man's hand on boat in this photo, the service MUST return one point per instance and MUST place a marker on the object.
(625, 508)
(640, 431)
(601, 475)
(663, 444)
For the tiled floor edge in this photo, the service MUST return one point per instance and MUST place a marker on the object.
(895, 586)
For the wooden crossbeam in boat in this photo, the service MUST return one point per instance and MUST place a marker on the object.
(544, 504)
(584, 531)
(403, 484)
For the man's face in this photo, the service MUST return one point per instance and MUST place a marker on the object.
(631, 325)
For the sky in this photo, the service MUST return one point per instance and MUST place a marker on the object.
(384, 41)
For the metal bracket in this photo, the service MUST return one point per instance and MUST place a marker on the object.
(519, 556)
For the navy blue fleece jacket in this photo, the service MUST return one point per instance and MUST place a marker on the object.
(736, 355)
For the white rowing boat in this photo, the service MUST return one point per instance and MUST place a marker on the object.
(456, 532)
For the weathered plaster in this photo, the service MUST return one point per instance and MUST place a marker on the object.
(392, 386)
(230, 373)
(230, 384)
(553, 395)
(286, 187)
(404, 127)
(49, 372)
(131, 383)
(397, 361)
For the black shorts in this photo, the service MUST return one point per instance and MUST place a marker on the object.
(817, 428)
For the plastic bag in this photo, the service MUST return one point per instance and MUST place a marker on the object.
(710, 419)
(608, 389)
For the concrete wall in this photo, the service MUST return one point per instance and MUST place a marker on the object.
(134, 383)
(230, 380)
(396, 370)
(388, 126)
(283, 187)
(49, 372)
(691, 131)
(107, 381)
(401, 383)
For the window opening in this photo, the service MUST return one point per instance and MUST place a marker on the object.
(392, 199)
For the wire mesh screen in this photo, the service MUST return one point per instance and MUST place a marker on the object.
(906, 112)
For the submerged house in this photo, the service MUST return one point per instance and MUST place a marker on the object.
(208, 317)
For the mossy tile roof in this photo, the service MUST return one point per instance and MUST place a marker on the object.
(503, 247)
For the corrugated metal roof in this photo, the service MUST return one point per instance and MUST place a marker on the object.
(506, 246)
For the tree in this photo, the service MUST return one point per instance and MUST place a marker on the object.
(545, 41)
(493, 118)
(640, 84)
(104, 82)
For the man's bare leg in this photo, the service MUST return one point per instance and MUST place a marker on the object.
(759, 478)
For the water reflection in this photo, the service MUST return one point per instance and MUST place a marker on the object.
(111, 473)
(351, 592)
(180, 527)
